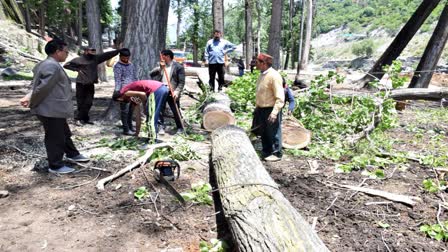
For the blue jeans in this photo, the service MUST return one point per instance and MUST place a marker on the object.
(160, 96)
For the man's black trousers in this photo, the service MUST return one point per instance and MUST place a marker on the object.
(84, 100)
(57, 140)
(212, 70)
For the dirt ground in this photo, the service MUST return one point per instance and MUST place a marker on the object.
(67, 213)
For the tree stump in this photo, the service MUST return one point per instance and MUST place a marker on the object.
(217, 113)
(259, 216)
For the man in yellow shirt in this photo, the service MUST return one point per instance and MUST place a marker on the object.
(269, 101)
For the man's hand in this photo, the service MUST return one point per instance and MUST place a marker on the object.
(136, 100)
(272, 118)
(175, 95)
(25, 101)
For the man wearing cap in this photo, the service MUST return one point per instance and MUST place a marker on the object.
(124, 74)
(87, 67)
(215, 50)
(269, 101)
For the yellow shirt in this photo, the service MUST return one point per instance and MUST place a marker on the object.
(270, 91)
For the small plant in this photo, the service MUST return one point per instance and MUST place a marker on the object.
(432, 187)
(215, 245)
(199, 193)
(182, 152)
(195, 137)
(364, 48)
(141, 193)
(120, 143)
(436, 231)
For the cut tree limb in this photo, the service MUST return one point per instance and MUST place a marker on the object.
(259, 216)
(217, 113)
(409, 200)
(419, 93)
(140, 161)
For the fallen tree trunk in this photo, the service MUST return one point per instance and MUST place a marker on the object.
(140, 161)
(259, 216)
(419, 93)
(217, 113)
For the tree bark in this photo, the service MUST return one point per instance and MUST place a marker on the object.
(289, 42)
(432, 53)
(179, 21)
(249, 40)
(146, 32)
(217, 114)
(419, 94)
(259, 216)
(42, 18)
(275, 30)
(218, 15)
(307, 42)
(27, 16)
(79, 23)
(195, 35)
(300, 55)
(94, 27)
(400, 42)
(259, 25)
(124, 19)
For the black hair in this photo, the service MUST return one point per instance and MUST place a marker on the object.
(168, 52)
(125, 52)
(216, 30)
(54, 45)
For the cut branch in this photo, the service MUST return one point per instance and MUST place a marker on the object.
(140, 161)
(408, 200)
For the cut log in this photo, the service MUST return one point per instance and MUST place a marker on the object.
(419, 93)
(294, 134)
(259, 216)
(217, 113)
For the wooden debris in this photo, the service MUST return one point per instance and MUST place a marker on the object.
(409, 200)
(140, 161)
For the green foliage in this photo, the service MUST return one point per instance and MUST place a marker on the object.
(433, 187)
(195, 137)
(364, 48)
(19, 76)
(181, 152)
(199, 193)
(242, 92)
(141, 193)
(394, 71)
(120, 143)
(436, 231)
(383, 225)
(215, 245)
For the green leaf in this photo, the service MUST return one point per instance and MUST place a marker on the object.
(383, 225)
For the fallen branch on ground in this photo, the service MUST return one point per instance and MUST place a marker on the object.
(140, 161)
(409, 200)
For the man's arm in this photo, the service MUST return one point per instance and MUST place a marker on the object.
(100, 58)
(290, 98)
(229, 47)
(206, 50)
(73, 65)
(117, 76)
(44, 84)
(279, 94)
(181, 81)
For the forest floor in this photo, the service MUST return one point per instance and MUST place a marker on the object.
(44, 211)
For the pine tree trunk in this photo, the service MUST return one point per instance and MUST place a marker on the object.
(307, 43)
(146, 32)
(401, 41)
(432, 53)
(218, 15)
(259, 216)
(124, 20)
(275, 31)
(79, 23)
(300, 55)
(27, 16)
(179, 21)
(249, 40)
(94, 27)
(259, 25)
(42, 18)
(195, 35)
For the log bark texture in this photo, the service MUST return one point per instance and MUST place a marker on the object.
(259, 216)
(419, 94)
(217, 113)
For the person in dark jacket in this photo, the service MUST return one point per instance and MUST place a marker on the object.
(241, 66)
(51, 101)
(176, 76)
(289, 97)
(87, 67)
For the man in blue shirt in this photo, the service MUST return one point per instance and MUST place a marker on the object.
(215, 51)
